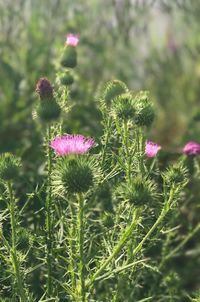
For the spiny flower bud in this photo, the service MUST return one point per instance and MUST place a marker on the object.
(9, 166)
(113, 89)
(77, 176)
(66, 78)
(177, 174)
(144, 110)
(140, 191)
(48, 111)
(44, 89)
(69, 57)
(123, 106)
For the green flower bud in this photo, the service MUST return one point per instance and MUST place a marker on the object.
(139, 192)
(123, 107)
(76, 175)
(144, 115)
(66, 78)
(9, 166)
(48, 110)
(69, 57)
(113, 89)
(176, 175)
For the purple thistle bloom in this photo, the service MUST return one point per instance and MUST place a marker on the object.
(151, 149)
(72, 40)
(71, 144)
(191, 148)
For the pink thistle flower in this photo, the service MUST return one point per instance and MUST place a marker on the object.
(151, 149)
(72, 40)
(191, 148)
(71, 144)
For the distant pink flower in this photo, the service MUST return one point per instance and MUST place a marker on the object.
(191, 148)
(72, 40)
(151, 149)
(71, 144)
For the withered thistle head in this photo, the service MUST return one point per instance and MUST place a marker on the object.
(44, 89)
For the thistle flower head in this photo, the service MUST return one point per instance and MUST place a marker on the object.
(151, 149)
(69, 57)
(191, 148)
(76, 175)
(113, 89)
(176, 174)
(139, 192)
(123, 106)
(72, 40)
(49, 111)
(66, 78)
(44, 89)
(144, 110)
(72, 144)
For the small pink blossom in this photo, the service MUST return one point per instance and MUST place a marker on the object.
(71, 144)
(191, 148)
(72, 40)
(151, 149)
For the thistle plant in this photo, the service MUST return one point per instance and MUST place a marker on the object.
(109, 210)
(9, 168)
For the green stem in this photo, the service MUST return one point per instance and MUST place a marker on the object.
(12, 215)
(48, 214)
(107, 136)
(141, 151)
(127, 234)
(163, 213)
(16, 267)
(81, 244)
(152, 166)
(116, 250)
(13, 251)
(154, 226)
(126, 145)
(72, 247)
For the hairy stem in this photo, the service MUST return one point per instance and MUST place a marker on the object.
(107, 136)
(163, 213)
(48, 214)
(13, 251)
(81, 244)
(117, 248)
(72, 248)
(12, 215)
(126, 145)
(127, 234)
(154, 226)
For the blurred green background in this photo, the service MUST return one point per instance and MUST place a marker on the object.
(151, 45)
